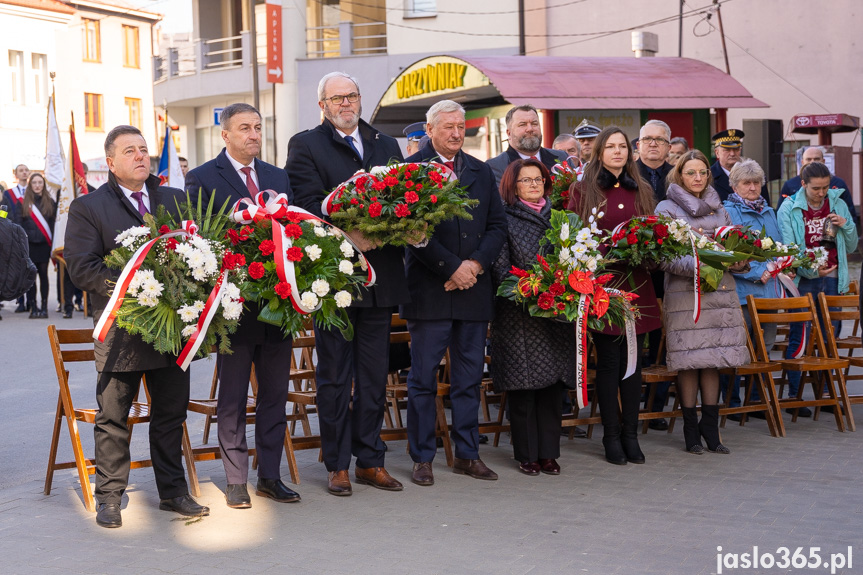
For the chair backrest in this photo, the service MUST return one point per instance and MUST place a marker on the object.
(849, 310)
(785, 310)
(58, 338)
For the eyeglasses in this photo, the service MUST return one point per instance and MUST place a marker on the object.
(693, 173)
(657, 141)
(337, 100)
(529, 181)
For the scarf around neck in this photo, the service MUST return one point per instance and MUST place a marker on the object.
(757, 205)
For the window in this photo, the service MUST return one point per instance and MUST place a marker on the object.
(420, 8)
(93, 112)
(134, 107)
(39, 63)
(16, 72)
(92, 43)
(130, 47)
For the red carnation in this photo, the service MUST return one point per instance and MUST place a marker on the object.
(435, 176)
(293, 231)
(391, 181)
(402, 210)
(375, 209)
(411, 197)
(413, 167)
(545, 300)
(561, 306)
(631, 239)
(433, 199)
(418, 187)
(556, 289)
(361, 182)
(354, 201)
(379, 186)
(408, 177)
(267, 247)
(282, 289)
(660, 231)
(256, 270)
(171, 244)
(393, 171)
(164, 230)
(233, 236)
(294, 217)
(245, 232)
(295, 254)
(409, 184)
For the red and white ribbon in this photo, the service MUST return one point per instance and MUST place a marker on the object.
(269, 205)
(696, 279)
(776, 269)
(723, 231)
(41, 224)
(581, 350)
(17, 195)
(106, 320)
(631, 341)
(207, 315)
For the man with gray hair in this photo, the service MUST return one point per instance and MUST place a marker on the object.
(319, 160)
(654, 139)
(816, 154)
(679, 146)
(452, 302)
(525, 141)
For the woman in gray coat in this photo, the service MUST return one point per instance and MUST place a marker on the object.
(532, 358)
(698, 350)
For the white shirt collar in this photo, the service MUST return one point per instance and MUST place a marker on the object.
(527, 156)
(237, 165)
(146, 197)
(358, 141)
(727, 172)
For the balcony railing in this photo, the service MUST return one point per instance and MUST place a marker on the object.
(346, 39)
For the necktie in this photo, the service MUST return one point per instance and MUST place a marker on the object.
(350, 141)
(139, 197)
(450, 165)
(250, 183)
(654, 179)
(533, 158)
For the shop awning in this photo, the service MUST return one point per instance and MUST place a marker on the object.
(553, 83)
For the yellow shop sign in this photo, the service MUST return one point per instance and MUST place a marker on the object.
(431, 78)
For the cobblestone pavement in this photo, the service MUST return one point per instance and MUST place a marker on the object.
(666, 517)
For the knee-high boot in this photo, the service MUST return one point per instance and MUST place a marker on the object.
(691, 435)
(613, 448)
(709, 429)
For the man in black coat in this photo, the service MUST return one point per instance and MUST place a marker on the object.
(728, 147)
(452, 301)
(234, 174)
(122, 359)
(653, 143)
(525, 141)
(13, 199)
(318, 161)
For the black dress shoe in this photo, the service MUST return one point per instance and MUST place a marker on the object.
(108, 515)
(735, 417)
(237, 496)
(67, 315)
(658, 424)
(184, 505)
(21, 308)
(276, 490)
(801, 412)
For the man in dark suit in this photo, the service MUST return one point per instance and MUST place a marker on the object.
(13, 198)
(122, 359)
(728, 147)
(319, 160)
(792, 186)
(525, 141)
(234, 174)
(452, 302)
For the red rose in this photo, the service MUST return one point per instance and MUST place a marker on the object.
(660, 231)
(402, 210)
(757, 243)
(379, 186)
(295, 254)
(411, 197)
(256, 270)
(561, 306)
(375, 209)
(631, 239)
(545, 300)
(391, 181)
(164, 230)
(433, 199)
(282, 289)
(556, 289)
(293, 231)
(267, 247)
(659, 241)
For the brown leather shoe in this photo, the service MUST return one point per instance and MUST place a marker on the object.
(377, 477)
(549, 466)
(474, 468)
(339, 483)
(422, 474)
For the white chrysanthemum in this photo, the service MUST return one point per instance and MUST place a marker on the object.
(231, 291)
(320, 231)
(346, 267)
(564, 232)
(199, 305)
(200, 243)
(152, 287)
(378, 171)
(211, 266)
(184, 249)
(188, 313)
(231, 310)
(321, 287)
(767, 243)
(313, 251)
(199, 273)
(133, 233)
(347, 249)
(189, 330)
(343, 298)
(148, 300)
(195, 259)
(583, 235)
(308, 299)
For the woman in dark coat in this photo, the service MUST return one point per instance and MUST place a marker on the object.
(612, 185)
(533, 358)
(37, 201)
(698, 350)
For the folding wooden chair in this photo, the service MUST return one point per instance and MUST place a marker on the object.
(849, 309)
(818, 370)
(140, 413)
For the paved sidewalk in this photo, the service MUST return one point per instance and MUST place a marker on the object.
(665, 517)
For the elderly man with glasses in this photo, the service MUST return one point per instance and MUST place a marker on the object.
(728, 148)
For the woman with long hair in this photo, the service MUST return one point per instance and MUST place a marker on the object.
(38, 211)
(532, 358)
(697, 351)
(612, 185)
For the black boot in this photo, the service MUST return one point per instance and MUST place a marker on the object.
(613, 448)
(709, 429)
(629, 439)
(690, 431)
(44, 311)
(34, 310)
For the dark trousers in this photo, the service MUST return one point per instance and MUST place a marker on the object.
(534, 416)
(71, 294)
(610, 369)
(42, 270)
(169, 400)
(352, 423)
(272, 361)
(429, 341)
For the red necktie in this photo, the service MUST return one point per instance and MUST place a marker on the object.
(450, 165)
(533, 157)
(250, 183)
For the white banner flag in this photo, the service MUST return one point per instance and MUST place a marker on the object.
(55, 158)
